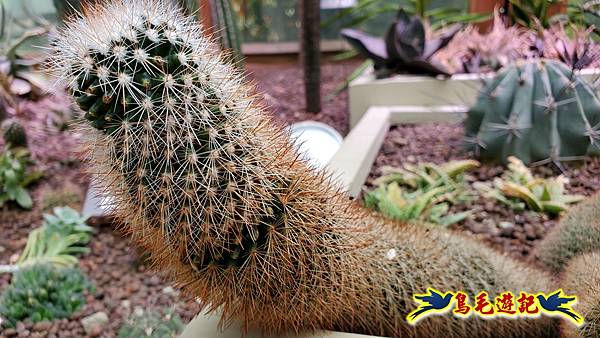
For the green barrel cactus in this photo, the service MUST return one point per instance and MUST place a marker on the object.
(215, 191)
(539, 111)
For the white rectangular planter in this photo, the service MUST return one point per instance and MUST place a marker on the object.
(408, 90)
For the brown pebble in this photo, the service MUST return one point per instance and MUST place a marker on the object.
(42, 326)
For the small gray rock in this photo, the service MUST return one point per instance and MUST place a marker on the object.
(91, 324)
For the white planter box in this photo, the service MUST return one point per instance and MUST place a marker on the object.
(406, 90)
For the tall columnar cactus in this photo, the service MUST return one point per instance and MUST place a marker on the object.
(537, 110)
(215, 191)
(582, 278)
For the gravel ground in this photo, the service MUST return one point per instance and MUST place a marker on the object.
(284, 92)
(514, 233)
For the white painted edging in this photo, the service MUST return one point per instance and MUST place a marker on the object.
(408, 90)
(355, 158)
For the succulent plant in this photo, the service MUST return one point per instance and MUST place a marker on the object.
(43, 293)
(17, 75)
(405, 48)
(218, 195)
(423, 192)
(62, 237)
(539, 111)
(582, 278)
(577, 233)
(151, 323)
(473, 51)
(519, 189)
(14, 135)
(575, 47)
(15, 178)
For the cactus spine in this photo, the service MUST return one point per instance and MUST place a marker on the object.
(538, 111)
(207, 183)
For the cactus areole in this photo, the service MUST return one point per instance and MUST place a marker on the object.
(539, 111)
(227, 208)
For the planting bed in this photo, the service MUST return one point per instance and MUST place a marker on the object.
(512, 232)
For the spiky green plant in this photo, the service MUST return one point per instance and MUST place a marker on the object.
(217, 194)
(577, 233)
(582, 278)
(537, 110)
(518, 188)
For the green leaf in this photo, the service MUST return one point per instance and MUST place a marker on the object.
(23, 198)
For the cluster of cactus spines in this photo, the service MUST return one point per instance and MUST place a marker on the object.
(216, 192)
(577, 233)
(14, 134)
(539, 111)
(582, 278)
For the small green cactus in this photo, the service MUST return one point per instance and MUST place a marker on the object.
(217, 194)
(15, 135)
(577, 233)
(537, 110)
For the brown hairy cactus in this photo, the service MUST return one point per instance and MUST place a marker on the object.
(577, 233)
(582, 278)
(216, 192)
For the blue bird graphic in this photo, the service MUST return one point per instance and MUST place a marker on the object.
(559, 304)
(433, 301)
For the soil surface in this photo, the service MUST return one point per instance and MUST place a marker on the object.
(283, 88)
